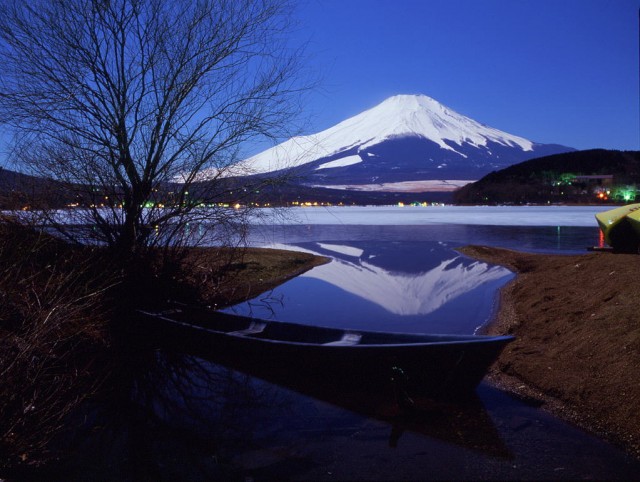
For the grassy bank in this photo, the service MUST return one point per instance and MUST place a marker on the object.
(577, 348)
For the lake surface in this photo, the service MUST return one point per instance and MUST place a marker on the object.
(408, 276)
(403, 286)
(187, 418)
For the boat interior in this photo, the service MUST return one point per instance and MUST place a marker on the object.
(243, 326)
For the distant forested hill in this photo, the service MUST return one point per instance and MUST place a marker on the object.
(15, 188)
(20, 191)
(596, 175)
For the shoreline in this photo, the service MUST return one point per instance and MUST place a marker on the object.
(569, 326)
(577, 347)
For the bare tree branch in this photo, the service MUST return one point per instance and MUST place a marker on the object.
(119, 98)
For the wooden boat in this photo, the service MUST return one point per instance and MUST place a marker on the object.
(462, 421)
(420, 364)
(617, 225)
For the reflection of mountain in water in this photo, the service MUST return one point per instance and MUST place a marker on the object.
(403, 278)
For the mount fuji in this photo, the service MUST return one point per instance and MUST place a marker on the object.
(405, 140)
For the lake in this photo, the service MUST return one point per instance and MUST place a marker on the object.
(393, 269)
(407, 276)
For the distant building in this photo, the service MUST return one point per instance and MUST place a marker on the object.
(598, 180)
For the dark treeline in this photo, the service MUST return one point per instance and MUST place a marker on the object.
(590, 176)
(18, 191)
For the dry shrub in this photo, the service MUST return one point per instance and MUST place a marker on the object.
(52, 335)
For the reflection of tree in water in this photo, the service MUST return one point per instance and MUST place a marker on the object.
(204, 397)
(170, 416)
(180, 416)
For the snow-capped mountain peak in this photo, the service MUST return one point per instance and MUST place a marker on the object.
(423, 116)
(404, 138)
(397, 116)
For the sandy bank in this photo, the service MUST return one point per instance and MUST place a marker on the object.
(577, 324)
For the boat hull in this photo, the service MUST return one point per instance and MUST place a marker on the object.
(618, 227)
(410, 364)
(634, 220)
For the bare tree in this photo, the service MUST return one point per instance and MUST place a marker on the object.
(120, 98)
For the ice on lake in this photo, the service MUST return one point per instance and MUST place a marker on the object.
(444, 214)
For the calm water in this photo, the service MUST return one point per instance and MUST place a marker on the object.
(400, 278)
(408, 286)
(186, 418)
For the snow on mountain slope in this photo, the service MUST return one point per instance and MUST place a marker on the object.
(398, 116)
(342, 162)
(405, 139)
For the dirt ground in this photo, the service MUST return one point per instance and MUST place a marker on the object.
(577, 328)
(223, 277)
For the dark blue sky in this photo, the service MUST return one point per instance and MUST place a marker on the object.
(553, 71)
